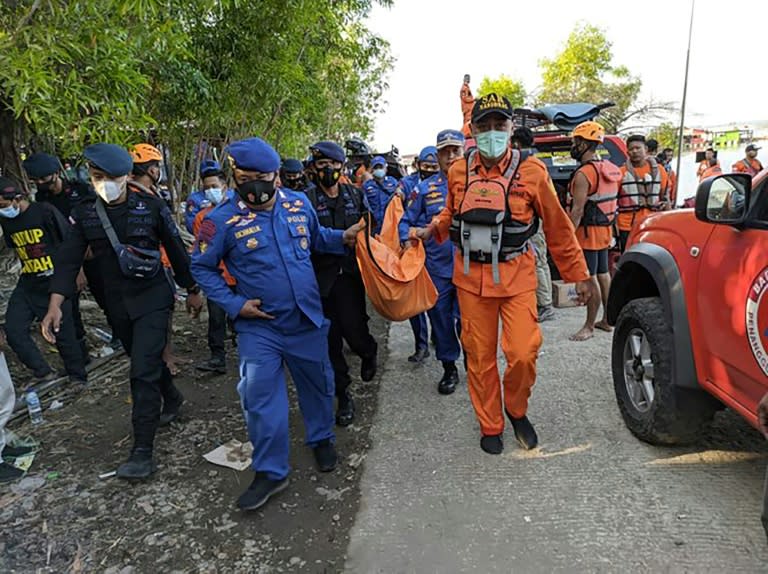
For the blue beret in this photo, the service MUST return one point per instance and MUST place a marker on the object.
(109, 158)
(209, 167)
(292, 166)
(429, 153)
(253, 154)
(41, 165)
(450, 137)
(328, 150)
(378, 160)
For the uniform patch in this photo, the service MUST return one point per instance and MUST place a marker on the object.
(207, 230)
(297, 219)
(202, 246)
(304, 243)
(252, 243)
(298, 203)
(757, 319)
(286, 204)
(247, 231)
(233, 219)
(302, 230)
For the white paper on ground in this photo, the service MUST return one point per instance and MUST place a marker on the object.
(233, 454)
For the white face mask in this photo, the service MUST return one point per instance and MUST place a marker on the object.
(214, 195)
(110, 189)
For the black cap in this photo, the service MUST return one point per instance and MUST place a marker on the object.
(491, 104)
(40, 165)
(752, 147)
(9, 189)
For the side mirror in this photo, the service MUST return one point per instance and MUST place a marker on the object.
(724, 198)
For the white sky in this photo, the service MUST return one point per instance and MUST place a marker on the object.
(435, 42)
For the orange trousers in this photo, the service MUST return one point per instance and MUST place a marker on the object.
(520, 341)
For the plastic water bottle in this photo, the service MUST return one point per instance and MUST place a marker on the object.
(34, 408)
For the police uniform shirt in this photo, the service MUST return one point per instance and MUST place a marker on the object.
(35, 235)
(142, 221)
(268, 254)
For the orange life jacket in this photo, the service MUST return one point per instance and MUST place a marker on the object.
(710, 172)
(483, 227)
(639, 193)
(602, 204)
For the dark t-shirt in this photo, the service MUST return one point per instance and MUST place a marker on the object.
(71, 194)
(35, 234)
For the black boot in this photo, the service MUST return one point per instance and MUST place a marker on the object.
(325, 455)
(213, 365)
(492, 444)
(368, 368)
(259, 492)
(524, 431)
(138, 466)
(171, 409)
(447, 384)
(419, 355)
(16, 451)
(345, 412)
(9, 473)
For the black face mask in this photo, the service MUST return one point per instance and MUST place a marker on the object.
(426, 174)
(328, 176)
(256, 192)
(293, 182)
(576, 152)
(45, 187)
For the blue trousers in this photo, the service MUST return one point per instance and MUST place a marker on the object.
(420, 332)
(445, 320)
(264, 395)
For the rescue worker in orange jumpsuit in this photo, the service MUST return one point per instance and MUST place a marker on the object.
(643, 189)
(592, 194)
(214, 186)
(467, 102)
(709, 154)
(750, 164)
(492, 210)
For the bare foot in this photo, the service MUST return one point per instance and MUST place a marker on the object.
(603, 326)
(584, 334)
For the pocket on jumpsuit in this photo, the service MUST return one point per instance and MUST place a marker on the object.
(250, 391)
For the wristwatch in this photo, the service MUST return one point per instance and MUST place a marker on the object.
(194, 290)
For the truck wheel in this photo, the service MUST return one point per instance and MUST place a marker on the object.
(653, 409)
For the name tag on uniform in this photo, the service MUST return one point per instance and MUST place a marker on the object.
(247, 231)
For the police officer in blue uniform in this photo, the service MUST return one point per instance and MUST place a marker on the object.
(339, 206)
(426, 164)
(197, 200)
(292, 175)
(265, 238)
(431, 195)
(125, 230)
(379, 191)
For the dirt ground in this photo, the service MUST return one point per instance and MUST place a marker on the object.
(184, 519)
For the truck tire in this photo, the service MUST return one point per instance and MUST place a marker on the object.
(653, 408)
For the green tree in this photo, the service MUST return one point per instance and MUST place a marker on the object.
(583, 71)
(180, 72)
(505, 86)
(666, 134)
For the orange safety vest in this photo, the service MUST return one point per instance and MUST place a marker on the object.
(483, 227)
(602, 203)
(642, 193)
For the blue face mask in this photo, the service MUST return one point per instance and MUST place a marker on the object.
(379, 173)
(214, 195)
(492, 144)
(10, 212)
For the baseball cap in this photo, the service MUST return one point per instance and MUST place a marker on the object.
(491, 104)
(450, 137)
(752, 147)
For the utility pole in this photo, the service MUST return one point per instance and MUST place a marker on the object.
(685, 94)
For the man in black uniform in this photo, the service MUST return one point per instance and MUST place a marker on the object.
(292, 175)
(35, 231)
(45, 171)
(340, 206)
(125, 231)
